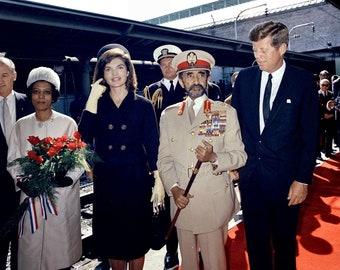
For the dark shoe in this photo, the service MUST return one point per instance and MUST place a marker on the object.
(171, 261)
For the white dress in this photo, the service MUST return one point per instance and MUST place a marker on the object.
(57, 241)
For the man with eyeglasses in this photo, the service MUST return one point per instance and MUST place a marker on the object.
(327, 119)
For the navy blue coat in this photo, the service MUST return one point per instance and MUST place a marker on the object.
(126, 139)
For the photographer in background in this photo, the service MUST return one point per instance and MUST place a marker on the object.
(327, 118)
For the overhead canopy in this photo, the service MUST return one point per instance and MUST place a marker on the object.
(37, 31)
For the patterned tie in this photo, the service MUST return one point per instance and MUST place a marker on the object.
(6, 118)
(172, 88)
(191, 112)
(266, 98)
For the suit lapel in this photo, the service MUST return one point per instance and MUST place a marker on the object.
(254, 101)
(20, 109)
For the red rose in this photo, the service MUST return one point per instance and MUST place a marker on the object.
(39, 159)
(77, 135)
(53, 151)
(32, 154)
(47, 140)
(72, 146)
(81, 145)
(34, 140)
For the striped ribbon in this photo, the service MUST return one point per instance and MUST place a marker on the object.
(45, 202)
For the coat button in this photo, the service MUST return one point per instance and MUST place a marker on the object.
(123, 147)
(109, 147)
(123, 127)
(110, 126)
(191, 149)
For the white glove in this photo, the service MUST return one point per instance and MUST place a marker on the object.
(158, 193)
(96, 92)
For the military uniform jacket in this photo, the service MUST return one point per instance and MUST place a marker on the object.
(214, 202)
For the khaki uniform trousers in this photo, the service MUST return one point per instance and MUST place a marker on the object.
(211, 245)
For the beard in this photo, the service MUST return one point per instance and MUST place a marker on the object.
(196, 90)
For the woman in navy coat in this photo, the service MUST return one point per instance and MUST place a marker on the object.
(122, 127)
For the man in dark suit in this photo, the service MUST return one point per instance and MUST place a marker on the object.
(281, 149)
(19, 106)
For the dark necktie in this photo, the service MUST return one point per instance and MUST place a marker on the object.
(171, 86)
(266, 98)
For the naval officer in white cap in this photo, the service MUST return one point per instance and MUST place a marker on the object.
(165, 92)
(211, 135)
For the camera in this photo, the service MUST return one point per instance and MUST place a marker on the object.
(334, 104)
(337, 103)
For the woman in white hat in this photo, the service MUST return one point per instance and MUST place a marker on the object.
(56, 241)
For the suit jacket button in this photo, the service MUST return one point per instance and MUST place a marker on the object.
(123, 147)
(110, 126)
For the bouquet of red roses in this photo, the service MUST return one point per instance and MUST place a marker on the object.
(48, 158)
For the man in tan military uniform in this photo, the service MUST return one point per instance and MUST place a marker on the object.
(212, 137)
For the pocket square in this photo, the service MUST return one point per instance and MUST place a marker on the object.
(288, 100)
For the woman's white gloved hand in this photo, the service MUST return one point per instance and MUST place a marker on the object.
(158, 193)
(96, 92)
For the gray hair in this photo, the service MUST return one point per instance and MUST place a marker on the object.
(8, 62)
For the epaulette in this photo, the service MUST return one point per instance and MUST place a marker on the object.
(175, 106)
(157, 97)
(146, 92)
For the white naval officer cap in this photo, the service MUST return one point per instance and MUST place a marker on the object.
(166, 51)
(193, 59)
